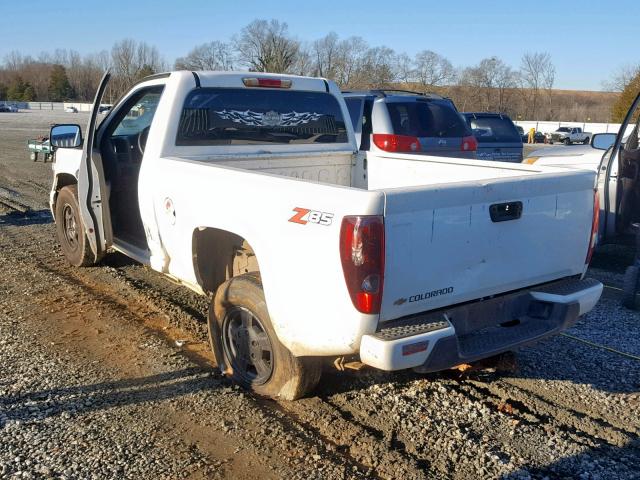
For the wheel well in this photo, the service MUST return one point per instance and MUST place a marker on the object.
(62, 180)
(219, 255)
(65, 179)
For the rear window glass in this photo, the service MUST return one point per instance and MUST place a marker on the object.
(354, 105)
(244, 116)
(433, 118)
(494, 130)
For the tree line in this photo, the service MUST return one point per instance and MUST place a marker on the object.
(525, 91)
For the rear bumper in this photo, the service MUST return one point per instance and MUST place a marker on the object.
(439, 340)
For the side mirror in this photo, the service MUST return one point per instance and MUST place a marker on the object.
(602, 141)
(65, 136)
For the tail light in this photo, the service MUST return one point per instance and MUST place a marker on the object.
(396, 143)
(266, 82)
(469, 144)
(362, 255)
(594, 227)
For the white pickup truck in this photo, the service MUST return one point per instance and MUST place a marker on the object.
(249, 187)
(569, 135)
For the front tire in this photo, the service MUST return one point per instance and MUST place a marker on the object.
(70, 229)
(567, 141)
(246, 345)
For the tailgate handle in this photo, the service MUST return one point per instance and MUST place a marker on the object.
(503, 212)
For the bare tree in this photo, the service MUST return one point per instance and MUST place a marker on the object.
(622, 77)
(405, 72)
(325, 53)
(14, 60)
(208, 56)
(537, 72)
(351, 54)
(85, 72)
(432, 70)
(131, 60)
(377, 70)
(303, 64)
(267, 47)
(491, 80)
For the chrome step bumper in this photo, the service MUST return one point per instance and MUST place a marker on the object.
(438, 340)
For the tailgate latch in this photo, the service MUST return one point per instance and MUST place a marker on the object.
(503, 212)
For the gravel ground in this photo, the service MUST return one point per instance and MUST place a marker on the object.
(93, 383)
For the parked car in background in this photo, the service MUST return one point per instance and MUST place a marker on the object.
(104, 109)
(569, 135)
(408, 122)
(520, 130)
(498, 138)
(8, 108)
(538, 137)
(71, 109)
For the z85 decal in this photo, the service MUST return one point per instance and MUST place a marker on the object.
(305, 215)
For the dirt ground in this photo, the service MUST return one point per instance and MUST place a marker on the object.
(105, 373)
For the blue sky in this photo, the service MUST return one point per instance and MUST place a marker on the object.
(588, 40)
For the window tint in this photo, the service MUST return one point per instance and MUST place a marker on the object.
(494, 129)
(365, 143)
(433, 118)
(244, 116)
(354, 105)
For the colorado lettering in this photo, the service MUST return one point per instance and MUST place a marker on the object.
(434, 293)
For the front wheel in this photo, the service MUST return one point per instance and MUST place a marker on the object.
(247, 347)
(70, 230)
(567, 141)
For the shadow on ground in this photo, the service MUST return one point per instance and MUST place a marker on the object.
(79, 399)
(30, 217)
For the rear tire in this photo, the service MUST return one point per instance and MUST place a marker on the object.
(567, 141)
(586, 141)
(70, 229)
(247, 348)
(630, 287)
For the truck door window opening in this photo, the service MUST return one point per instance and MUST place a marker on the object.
(122, 151)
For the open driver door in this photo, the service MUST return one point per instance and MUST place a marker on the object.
(93, 199)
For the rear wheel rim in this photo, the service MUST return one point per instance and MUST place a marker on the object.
(247, 346)
(70, 227)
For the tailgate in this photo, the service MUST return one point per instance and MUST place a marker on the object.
(444, 248)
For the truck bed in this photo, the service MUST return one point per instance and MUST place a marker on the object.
(439, 232)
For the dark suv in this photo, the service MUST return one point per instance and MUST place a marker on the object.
(498, 138)
(409, 122)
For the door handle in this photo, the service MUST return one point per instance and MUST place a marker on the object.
(503, 212)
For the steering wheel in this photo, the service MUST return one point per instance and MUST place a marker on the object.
(142, 139)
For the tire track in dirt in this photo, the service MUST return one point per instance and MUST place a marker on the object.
(128, 299)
